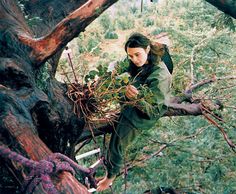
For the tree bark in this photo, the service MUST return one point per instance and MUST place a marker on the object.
(48, 13)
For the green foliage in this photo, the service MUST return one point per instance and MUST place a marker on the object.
(111, 35)
(106, 22)
(91, 46)
(134, 9)
(42, 76)
(125, 23)
(157, 31)
(33, 21)
(148, 22)
(109, 82)
(224, 21)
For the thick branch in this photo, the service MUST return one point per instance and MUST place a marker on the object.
(49, 14)
(183, 109)
(66, 30)
(227, 6)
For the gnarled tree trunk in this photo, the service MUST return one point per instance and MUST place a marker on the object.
(37, 119)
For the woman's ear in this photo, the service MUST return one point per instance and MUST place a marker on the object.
(148, 49)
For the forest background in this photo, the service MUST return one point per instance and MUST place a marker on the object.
(196, 157)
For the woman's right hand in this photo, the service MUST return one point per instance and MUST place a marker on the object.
(131, 92)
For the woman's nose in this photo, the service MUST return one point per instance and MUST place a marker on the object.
(135, 59)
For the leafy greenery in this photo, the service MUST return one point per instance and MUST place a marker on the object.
(125, 23)
(42, 77)
(111, 35)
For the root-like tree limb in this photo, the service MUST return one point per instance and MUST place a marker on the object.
(44, 47)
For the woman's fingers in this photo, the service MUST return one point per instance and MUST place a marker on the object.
(132, 88)
(131, 91)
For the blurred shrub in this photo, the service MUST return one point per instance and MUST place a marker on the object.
(90, 44)
(125, 23)
(134, 9)
(157, 31)
(106, 22)
(148, 22)
(224, 21)
(111, 35)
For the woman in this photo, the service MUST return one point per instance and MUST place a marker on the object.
(147, 69)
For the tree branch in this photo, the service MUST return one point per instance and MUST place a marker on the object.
(175, 109)
(227, 6)
(207, 81)
(44, 47)
(229, 142)
(131, 164)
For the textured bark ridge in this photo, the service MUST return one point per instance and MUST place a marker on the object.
(36, 116)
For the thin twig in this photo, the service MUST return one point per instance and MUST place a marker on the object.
(72, 67)
(230, 143)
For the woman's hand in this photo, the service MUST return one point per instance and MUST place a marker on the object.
(131, 92)
(105, 183)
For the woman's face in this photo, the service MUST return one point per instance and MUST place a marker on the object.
(138, 55)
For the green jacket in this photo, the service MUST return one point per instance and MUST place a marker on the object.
(141, 117)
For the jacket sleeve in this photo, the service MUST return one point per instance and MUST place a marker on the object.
(166, 58)
(155, 102)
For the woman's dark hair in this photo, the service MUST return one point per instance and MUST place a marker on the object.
(137, 40)
(141, 41)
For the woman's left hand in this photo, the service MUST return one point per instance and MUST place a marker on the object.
(131, 92)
